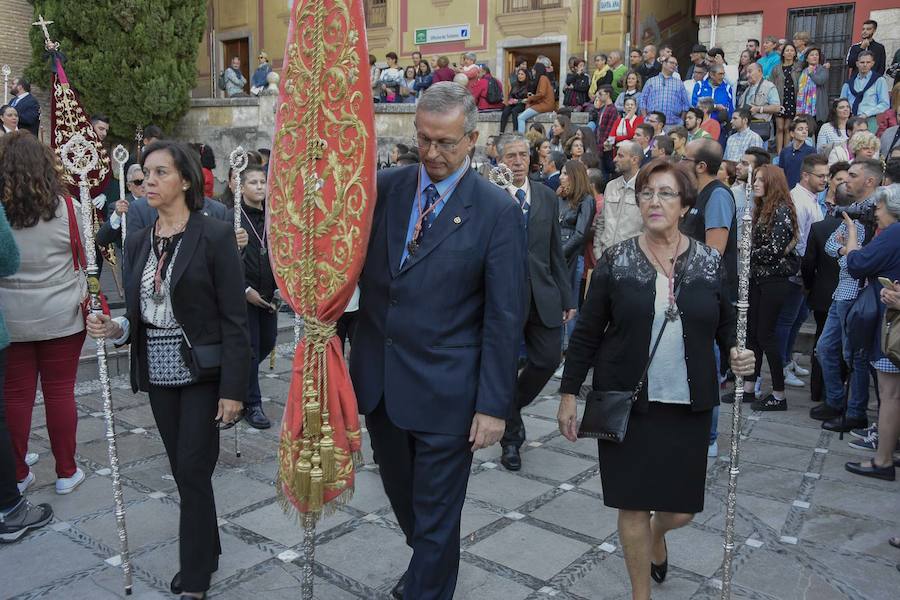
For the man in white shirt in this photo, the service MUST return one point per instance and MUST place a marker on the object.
(620, 218)
(813, 177)
(550, 299)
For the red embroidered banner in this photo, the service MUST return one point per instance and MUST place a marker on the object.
(321, 196)
(67, 117)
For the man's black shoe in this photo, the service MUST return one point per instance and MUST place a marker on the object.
(511, 459)
(872, 470)
(844, 425)
(397, 592)
(824, 412)
(255, 416)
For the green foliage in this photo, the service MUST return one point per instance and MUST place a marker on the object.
(133, 60)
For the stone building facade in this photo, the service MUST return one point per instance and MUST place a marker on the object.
(15, 47)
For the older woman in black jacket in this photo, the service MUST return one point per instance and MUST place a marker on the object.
(659, 277)
(186, 320)
(576, 213)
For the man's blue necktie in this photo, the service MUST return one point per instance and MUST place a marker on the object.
(520, 196)
(431, 196)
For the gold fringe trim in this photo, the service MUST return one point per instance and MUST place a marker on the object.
(329, 509)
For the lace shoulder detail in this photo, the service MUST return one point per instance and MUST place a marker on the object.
(627, 262)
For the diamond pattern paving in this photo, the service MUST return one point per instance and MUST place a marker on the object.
(542, 532)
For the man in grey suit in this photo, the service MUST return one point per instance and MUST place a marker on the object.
(549, 292)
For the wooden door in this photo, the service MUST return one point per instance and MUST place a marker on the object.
(239, 47)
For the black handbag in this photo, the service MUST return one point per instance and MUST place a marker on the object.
(606, 412)
(863, 320)
(203, 360)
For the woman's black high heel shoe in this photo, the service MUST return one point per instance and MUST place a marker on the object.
(658, 572)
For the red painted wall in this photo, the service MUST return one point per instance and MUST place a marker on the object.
(775, 13)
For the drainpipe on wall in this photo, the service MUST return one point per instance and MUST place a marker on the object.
(631, 11)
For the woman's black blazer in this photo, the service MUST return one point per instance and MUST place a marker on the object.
(207, 298)
(613, 333)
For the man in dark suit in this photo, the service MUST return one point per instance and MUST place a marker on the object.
(551, 170)
(549, 291)
(820, 277)
(26, 105)
(440, 320)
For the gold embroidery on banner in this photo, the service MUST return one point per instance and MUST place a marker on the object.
(317, 199)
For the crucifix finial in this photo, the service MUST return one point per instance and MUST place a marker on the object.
(43, 25)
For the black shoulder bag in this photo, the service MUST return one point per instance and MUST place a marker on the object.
(606, 413)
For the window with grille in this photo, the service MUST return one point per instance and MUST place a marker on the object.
(513, 6)
(376, 13)
(831, 30)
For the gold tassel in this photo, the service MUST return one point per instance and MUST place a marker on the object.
(313, 419)
(304, 468)
(326, 449)
(316, 487)
(272, 360)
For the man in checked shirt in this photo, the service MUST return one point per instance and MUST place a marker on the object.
(863, 179)
(665, 93)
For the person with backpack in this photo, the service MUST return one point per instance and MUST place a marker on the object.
(487, 91)
(231, 80)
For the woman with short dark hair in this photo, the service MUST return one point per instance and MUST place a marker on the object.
(9, 119)
(186, 321)
(42, 304)
(659, 289)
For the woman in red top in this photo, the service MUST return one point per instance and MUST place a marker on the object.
(479, 90)
(208, 163)
(623, 128)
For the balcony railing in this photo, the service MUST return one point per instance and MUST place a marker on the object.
(376, 13)
(514, 6)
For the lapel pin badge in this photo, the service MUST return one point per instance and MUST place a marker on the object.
(457, 220)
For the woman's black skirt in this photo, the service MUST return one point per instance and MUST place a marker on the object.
(661, 464)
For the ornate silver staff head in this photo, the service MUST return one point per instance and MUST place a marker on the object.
(79, 156)
(501, 175)
(5, 70)
(121, 155)
(238, 159)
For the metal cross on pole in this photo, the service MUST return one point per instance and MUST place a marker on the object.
(80, 157)
(6, 72)
(238, 160)
(48, 43)
(121, 156)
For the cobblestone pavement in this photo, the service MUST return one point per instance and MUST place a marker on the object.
(806, 528)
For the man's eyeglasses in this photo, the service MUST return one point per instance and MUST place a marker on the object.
(136, 182)
(819, 175)
(425, 144)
